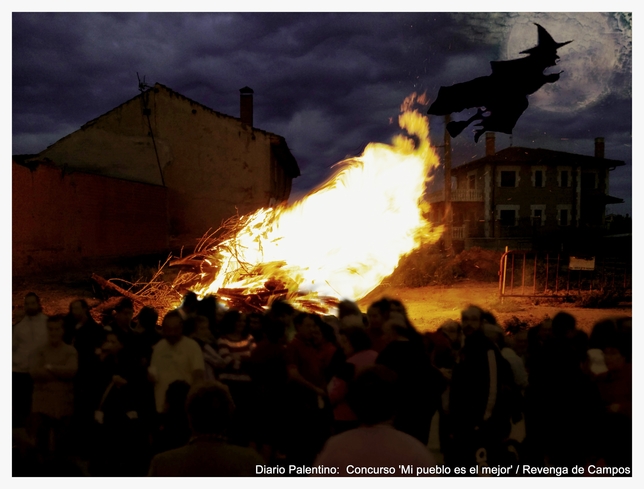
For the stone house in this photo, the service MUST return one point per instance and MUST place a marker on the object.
(536, 195)
(213, 165)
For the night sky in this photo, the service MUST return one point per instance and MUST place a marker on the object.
(330, 83)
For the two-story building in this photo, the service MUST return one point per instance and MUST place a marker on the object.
(537, 196)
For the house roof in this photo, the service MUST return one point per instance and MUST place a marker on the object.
(609, 199)
(174, 93)
(284, 155)
(539, 156)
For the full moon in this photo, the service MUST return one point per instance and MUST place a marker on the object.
(588, 63)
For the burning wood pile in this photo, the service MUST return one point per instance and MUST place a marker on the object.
(338, 242)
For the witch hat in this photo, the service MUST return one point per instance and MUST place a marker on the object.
(545, 43)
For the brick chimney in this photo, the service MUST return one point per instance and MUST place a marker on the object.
(246, 105)
(489, 144)
(599, 147)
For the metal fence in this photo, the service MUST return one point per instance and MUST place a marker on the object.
(524, 273)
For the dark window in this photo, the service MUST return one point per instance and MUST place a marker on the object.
(536, 216)
(507, 217)
(564, 178)
(508, 179)
(563, 217)
(538, 178)
(471, 182)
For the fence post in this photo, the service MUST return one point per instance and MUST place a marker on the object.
(502, 273)
(534, 280)
(523, 274)
(512, 276)
(547, 265)
(557, 276)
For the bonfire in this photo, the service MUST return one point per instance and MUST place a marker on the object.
(338, 242)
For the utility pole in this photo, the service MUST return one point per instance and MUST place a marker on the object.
(447, 234)
(143, 88)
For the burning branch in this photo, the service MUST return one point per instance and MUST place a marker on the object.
(106, 284)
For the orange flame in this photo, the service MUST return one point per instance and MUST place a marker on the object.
(344, 237)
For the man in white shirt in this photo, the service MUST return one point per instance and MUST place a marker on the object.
(28, 334)
(175, 357)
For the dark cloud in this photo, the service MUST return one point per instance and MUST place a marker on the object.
(328, 82)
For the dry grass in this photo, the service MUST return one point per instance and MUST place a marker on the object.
(429, 266)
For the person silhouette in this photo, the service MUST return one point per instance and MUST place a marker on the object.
(501, 97)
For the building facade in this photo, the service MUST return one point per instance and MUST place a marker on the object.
(212, 165)
(539, 196)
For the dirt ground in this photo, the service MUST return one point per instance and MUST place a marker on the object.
(428, 307)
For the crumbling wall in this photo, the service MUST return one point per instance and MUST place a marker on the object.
(60, 221)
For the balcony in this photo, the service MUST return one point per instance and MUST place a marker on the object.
(458, 232)
(458, 195)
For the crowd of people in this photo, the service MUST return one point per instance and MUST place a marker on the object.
(213, 392)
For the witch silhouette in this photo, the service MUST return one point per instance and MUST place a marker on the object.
(501, 97)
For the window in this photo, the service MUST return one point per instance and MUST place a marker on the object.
(508, 179)
(508, 175)
(507, 217)
(538, 214)
(564, 178)
(507, 214)
(564, 214)
(538, 178)
(471, 182)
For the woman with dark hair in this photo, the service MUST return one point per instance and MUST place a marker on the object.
(81, 331)
(270, 377)
(80, 322)
(123, 412)
(198, 328)
(207, 307)
(147, 322)
(326, 344)
(84, 334)
(235, 347)
(420, 384)
(255, 325)
(614, 338)
(562, 404)
(356, 344)
(377, 315)
(189, 304)
(174, 429)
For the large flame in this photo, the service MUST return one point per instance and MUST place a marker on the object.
(344, 237)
